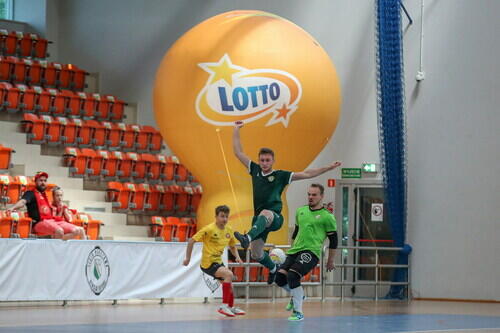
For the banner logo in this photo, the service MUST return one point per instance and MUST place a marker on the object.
(234, 93)
(97, 270)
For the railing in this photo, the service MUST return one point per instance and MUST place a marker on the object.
(377, 283)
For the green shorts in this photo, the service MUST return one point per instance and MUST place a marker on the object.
(276, 225)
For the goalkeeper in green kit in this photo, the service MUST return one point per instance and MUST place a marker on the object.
(268, 185)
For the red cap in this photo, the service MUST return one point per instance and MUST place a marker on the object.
(41, 174)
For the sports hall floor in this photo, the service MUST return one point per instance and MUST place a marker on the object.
(329, 316)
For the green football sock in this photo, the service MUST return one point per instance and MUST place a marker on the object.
(258, 227)
(267, 262)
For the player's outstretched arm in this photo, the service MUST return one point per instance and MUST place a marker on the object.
(237, 149)
(189, 250)
(311, 173)
(235, 253)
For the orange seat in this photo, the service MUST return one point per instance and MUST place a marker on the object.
(83, 133)
(142, 139)
(117, 109)
(18, 75)
(26, 98)
(49, 73)
(42, 100)
(33, 72)
(74, 104)
(195, 198)
(8, 42)
(11, 97)
(35, 127)
(93, 162)
(68, 131)
(76, 161)
(22, 224)
(124, 171)
(168, 171)
(155, 195)
(138, 167)
(167, 201)
(129, 137)
(103, 107)
(156, 226)
(77, 77)
(181, 174)
(153, 167)
(6, 225)
(118, 194)
(63, 76)
(93, 227)
(181, 198)
(98, 133)
(11, 189)
(170, 228)
(53, 130)
(5, 157)
(155, 139)
(182, 232)
(114, 133)
(109, 164)
(40, 47)
(254, 273)
(136, 198)
(58, 102)
(238, 274)
(87, 106)
(7, 65)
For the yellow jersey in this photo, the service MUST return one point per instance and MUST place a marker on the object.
(214, 241)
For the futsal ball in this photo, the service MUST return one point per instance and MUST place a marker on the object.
(278, 256)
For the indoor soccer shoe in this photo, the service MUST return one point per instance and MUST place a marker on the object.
(238, 311)
(289, 306)
(243, 239)
(296, 316)
(225, 310)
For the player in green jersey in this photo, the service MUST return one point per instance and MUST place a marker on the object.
(268, 184)
(313, 224)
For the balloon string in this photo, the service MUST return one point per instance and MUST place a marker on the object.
(228, 174)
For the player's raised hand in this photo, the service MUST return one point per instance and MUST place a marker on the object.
(335, 165)
(238, 124)
(186, 261)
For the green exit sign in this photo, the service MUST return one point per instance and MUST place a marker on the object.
(369, 167)
(351, 172)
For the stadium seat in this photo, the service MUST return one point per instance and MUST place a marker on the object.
(167, 202)
(93, 227)
(168, 171)
(114, 133)
(181, 198)
(169, 228)
(155, 197)
(109, 164)
(6, 225)
(153, 167)
(129, 137)
(98, 134)
(49, 74)
(138, 167)
(77, 77)
(22, 224)
(181, 174)
(34, 127)
(10, 101)
(33, 72)
(68, 131)
(117, 109)
(103, 107)
(63, 76)
(26, 99)
(155, 139)
(53, 130)
(117, 195)
(139, 194)
(5, 157)
(76, 161)
(193, 228)
(156, 226)
(124, 166)
(83, 133)
(8, 42)
(18, 74)
(182, 231)
(93, 162)
(195, 198)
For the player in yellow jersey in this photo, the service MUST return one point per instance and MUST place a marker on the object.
(215, 237)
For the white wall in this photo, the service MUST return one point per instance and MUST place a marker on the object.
(452, 123)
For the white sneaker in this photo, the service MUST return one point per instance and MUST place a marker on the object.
(238, 311)
(225, 310)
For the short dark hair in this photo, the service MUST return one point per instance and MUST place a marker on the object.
(264, 151)
(321, 188)
(222, 208)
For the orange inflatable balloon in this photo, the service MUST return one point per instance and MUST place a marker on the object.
(255, 67)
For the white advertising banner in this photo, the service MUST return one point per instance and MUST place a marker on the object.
(100, 270)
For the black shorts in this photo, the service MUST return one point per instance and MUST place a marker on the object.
(301, 262)
(212, 269)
